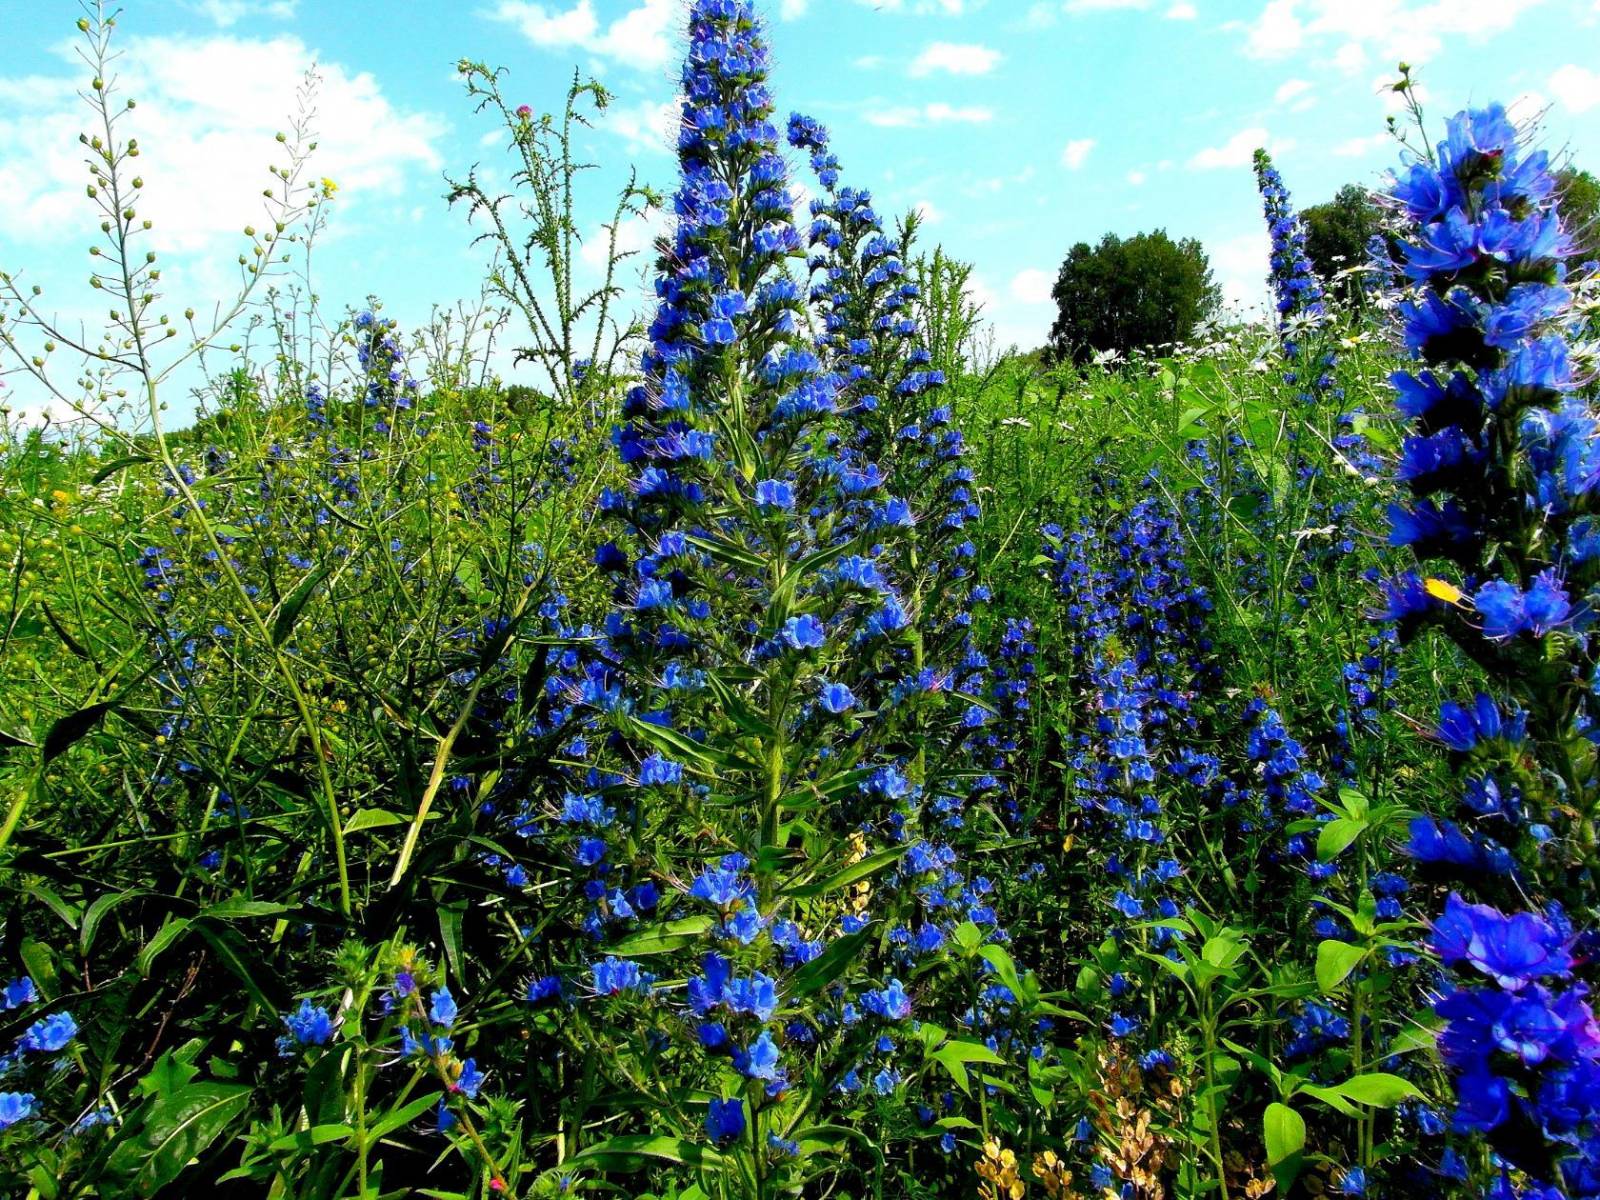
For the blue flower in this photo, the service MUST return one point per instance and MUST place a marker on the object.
(760, 1060)
(890, 1002)
(757, 996)
(725, 1121)
(657, 771)
(469, 1080)
(837, 698)
(442, 1008)
(614, 976)
(18, 993)
(544, 990)
(804, 632)
(1512, 950)
(721, 887)
(309, 1025)
(774, 495)
(14, 1107)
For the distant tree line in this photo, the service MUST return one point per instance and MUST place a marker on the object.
(1148, 290)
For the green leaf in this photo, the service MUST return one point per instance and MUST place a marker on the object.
(317, 1135)
(234, 954)
(73, 728)
(171, 930)
(663, 939)
(1005, 968)
(829, 965)
(854, 873)
(1284, 1132)
(372, 818)
(1335, 961)
(619, 1153)
(235, 907)
(450, 916)
(175, 1130)
(118, 464)
(970, 1052)
(1355, 802)
(1378, 1089)
(391, 1121)
(289, 611)
(1336, 835)
(96, 913)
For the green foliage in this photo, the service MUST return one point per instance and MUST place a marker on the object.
(1579, 191)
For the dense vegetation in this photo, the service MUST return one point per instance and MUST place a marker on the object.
(780, 754)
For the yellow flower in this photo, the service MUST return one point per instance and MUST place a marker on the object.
(329, 187)
(1441, 589)
(998, 1170)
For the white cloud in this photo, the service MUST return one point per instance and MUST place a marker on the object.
(640, 38)
(1350, 57)
(1032, 286)
(1182, 11)
(648, 126)
(635, 236)
(1137, 178)
(209, 110)
(1240, 266)
(1360, 147)
(1076, 153)
(868, 62)
(938, 113)
(994, 185)
(956, 59)
(793, 10)
(1577, 88)
(227, 13)
(927, 212)
(1276, 31)
(1394, 29)
(1528, 108)
(1290, 89)
(1079, 6)
(1238, 150)
(948, 8)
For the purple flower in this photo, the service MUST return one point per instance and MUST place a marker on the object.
(1512, 950)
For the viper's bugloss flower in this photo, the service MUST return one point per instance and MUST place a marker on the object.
(48, 1034)
(1512, 950)
(442, 1008)
(614, 976)
(725, 1121)
(15, 1107)
(836, 698)
(17, 993)
(309, 1025)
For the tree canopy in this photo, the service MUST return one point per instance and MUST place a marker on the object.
(1337, 233)
(1130, 292)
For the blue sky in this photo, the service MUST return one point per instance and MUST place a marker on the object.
(1018, 127)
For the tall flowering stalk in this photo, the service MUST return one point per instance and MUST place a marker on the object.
(764, 723)
(1502, 465)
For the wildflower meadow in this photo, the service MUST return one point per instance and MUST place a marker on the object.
(758, 739)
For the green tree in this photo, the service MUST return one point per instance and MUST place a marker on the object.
(1337, 234)
(1580, 211)
(1125, 293)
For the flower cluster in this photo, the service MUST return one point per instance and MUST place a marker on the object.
(38, 1048)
